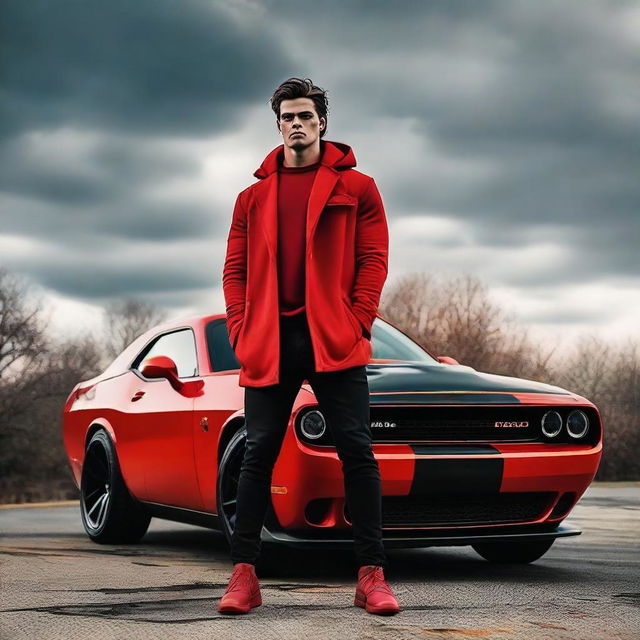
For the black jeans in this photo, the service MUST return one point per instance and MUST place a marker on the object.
(343, 399)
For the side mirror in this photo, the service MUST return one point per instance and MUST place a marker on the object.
(165, 367)
(159, 367)
(447, 360)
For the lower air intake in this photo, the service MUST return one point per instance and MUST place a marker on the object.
(452, 510)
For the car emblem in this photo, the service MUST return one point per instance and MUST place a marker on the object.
(511, 425)
(382, 424)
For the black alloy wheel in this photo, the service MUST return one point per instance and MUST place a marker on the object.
(228, 477)
(109, 513)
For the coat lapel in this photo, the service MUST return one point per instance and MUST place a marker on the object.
(267, 212)
(267, 205)
(323, 185)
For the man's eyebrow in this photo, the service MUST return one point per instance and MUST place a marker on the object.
(300, 113)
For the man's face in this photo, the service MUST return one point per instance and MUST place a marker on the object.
(299, 123)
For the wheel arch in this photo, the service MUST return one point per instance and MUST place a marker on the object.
(102, 424)
(229, 429)
(96, 425)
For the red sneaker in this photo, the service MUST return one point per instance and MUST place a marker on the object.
(243, 590)
(373, 593)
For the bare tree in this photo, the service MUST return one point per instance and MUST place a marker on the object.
(24, 365)
(456, 317)
(609, 376)
(589, 367)
(23, 347)
(36, 375)
(125, 320)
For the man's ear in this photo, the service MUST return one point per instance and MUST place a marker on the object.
(323, 124)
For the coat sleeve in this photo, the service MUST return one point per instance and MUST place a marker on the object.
(234, 275)
(371, 257)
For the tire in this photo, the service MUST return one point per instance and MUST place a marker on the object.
(227, 482)
(109, 513)
(513, 552)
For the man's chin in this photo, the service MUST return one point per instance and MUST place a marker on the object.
(298, 143)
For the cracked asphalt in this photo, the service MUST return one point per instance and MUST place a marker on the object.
(56, 583)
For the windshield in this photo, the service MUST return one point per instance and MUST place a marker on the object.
(390, 344)
(387, 343)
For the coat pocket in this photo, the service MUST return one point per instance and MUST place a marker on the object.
(355, 323)
(239, 337)
(341, 203)
(342, 198)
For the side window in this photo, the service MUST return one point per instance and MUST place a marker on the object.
(179, 346)
(221, 355)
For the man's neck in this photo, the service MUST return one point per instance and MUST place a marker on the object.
(301, 157)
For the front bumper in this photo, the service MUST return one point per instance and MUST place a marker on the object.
(434, 494)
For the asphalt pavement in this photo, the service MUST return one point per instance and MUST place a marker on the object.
(56, 583)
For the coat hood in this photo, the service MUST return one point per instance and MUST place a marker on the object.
(337, 155)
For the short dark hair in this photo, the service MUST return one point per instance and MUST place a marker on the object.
(301, 88)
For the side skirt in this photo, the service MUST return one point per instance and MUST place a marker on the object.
(180, 514)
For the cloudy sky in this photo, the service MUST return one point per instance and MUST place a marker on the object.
(503, 137)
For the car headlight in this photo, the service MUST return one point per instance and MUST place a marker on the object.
(313, 425)
(551, 424)
(577, 424)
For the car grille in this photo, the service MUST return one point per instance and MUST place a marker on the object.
(452, 510)
(454, 423)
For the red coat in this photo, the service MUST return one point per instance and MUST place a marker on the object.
(347, 246)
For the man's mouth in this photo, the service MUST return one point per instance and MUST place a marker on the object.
(297, 133)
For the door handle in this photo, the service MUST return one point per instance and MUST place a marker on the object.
(137, 395)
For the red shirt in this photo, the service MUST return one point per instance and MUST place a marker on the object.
(294, 187)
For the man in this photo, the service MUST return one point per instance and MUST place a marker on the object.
(306, 261)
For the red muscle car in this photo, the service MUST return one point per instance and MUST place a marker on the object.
(466, 458)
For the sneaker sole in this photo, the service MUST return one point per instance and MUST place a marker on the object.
(359, 602)
(232, 608)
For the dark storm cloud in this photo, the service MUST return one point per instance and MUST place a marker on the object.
(516, 119)
(136, 218)
(107, 168)
(541, 92)
(154, 67)
(155, 221)
(103, 278)
(91, 91)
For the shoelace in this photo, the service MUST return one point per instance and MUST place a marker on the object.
(377, 581)
(239, 577)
